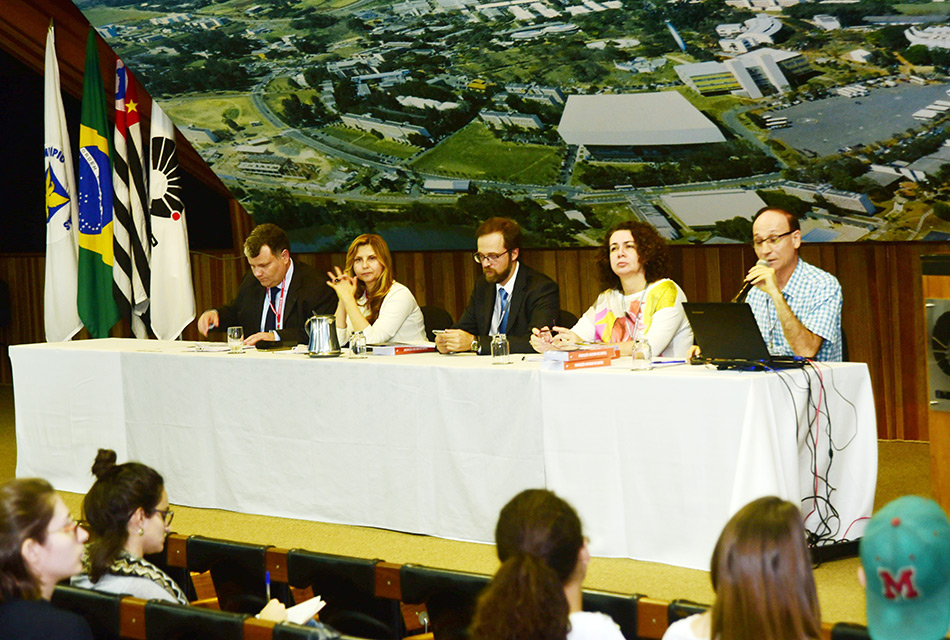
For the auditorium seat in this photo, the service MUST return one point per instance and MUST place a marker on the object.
(621, 607)
(289, 631)
(348, 586)
(449, 596)
(167, 621)
(435, 318)
(101, 610)
(237, 570)
(849, 631)
(680, 609)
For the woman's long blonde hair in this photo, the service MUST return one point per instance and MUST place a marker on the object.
(374, 298)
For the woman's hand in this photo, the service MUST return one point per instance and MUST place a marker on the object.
(275, 611)
(565, 340)
(541, 339)
(342, 283)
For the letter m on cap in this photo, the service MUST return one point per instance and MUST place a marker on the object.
(901, 587)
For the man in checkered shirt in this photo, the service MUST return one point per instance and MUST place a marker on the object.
(796, 305)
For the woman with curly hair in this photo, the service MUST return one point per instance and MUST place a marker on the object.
(639, 300)
(40, 544)
(370, 300)
(761, 573)
(537, 592)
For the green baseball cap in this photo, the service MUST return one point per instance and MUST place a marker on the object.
(906, 557)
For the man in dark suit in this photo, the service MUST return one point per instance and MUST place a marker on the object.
(512, 299)
(276, 297)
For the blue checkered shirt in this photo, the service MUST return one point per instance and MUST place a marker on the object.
(814, 296)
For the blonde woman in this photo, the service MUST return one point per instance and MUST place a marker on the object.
(370, 300)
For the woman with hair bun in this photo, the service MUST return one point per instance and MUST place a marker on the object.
(537, 591)
(40, 544)
(128, 516)
(761, 573)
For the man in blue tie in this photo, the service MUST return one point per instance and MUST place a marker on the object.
(512, 299)
(276, 297)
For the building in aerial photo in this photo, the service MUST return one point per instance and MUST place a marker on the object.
(635, 124)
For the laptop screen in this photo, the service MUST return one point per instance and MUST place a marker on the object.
(726, 331)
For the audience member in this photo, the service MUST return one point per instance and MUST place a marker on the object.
(796, 305)
(537, 592)
(370, 300)
(905, 569)
(639, 299)
(278, 304)
(128, 515)
(761, 573)
(512, 299)
(40, 544)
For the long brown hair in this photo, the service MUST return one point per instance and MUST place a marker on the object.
(761, 572)
(652, 251)
(119, 490)
(538, 538)
(374, 298)
(26, 509)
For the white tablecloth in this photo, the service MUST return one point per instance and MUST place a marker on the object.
(655, 462)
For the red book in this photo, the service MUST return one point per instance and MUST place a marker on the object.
(400, 349)
(568, 365)
(587, 353)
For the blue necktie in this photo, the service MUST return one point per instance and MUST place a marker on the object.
(503, 297)
(270, 322)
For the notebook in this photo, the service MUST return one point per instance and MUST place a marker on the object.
(729, 337)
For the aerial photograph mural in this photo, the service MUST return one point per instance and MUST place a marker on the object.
(418, 118)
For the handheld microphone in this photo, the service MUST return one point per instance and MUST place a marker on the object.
(740, 297)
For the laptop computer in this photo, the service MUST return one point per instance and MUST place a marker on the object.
(728, 336)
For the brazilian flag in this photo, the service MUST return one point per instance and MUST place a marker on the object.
(97, 308)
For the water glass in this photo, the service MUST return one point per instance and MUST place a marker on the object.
(235, 339)
(358, 347)
(642, 355)
(499, 350)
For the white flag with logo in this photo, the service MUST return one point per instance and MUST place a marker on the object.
(61, 315)
(172, 293)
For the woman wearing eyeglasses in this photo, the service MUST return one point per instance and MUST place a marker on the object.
(128, 516)
(40, 544)
(370, 300)
(639, 300)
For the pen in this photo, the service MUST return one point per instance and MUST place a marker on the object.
(267, 584)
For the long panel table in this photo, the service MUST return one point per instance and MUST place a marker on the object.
(655, 462)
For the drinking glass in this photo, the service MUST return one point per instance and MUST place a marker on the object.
(358, 345)
(499, 349)
(642, 355)
(235, 339)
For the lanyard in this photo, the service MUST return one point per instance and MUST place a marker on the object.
(279, 311)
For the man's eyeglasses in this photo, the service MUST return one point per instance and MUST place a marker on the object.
(167, 515)
(771, 240)
(491, 257)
